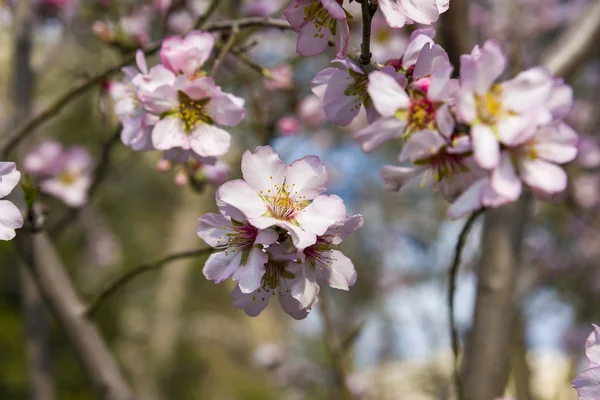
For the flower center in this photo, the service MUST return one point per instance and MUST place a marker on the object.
(489, 106)
(358, 88)
(192, 112)
(319, 255)
(275, 270)
(320, 17)
(283, 204)
(421, 112)
(67, 177)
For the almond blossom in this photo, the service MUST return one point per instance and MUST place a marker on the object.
(137, 122)
(188, 111)
(289, 197)
(322, 264)
(10, 216)
(587, 383)
(401, 12)
(317, 21)
(242, 257)
(64, 174)
(277, 280)
(405, 112)
(499, 113)
(186, 55)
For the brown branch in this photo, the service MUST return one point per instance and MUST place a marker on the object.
(453, 273)
(368, 11)
(455, 33)
(571, 49)
(336, 351)
(122, 280)
(39, 255)
(15, 137)
(486, 359)
(226, 49)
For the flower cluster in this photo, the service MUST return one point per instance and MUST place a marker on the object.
(587, 383)
(276, 234)
(173, 106)
(64, 173)
(10, 216)
(475, 140)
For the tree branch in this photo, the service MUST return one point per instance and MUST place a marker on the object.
(226, 49)
(368, 11)
(453, 273)
(116, 284)
(570, 50)
(15, 137)
(39, 255)
(332, 340)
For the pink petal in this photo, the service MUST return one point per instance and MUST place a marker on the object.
(226, 109)
(239, 194)
(544, 176)
(486, 148)
(9, 177)
(393, 12)
(295, 12)
(592, 347)
(467, 202)
(10, 219)
(312, 40)
(423, 11)
(422, 145)
(342, 38)
(490, 66)
(395, 178)
(304, 287)
(561, 99)
(249, 276)
(504, 180)
(209, 141)
(380, 131)
(220, 266)
(445, 121)
(587, 384)
(213, 229)
(290, 305)
(530, 88)
(323, 212)
(334, 9)
(307, 178)
(515, 130)
(339, 273)
(387, 95)
(252, 303)
(169, 132)
(263, 169)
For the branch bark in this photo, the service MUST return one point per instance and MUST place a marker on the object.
(486, 361)
(576, 43)
(38, 253)
(455, 33)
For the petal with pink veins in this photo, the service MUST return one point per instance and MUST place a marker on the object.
(220, 266)
(306, 177)
(239, 194)
(263, 169)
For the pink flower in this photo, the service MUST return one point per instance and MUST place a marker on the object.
(242, 256)
(321, 264)
(342, 91)
(316, 21)
(441, 161)
(162, 5)
(188, 111)
(276, 280)
(310, 111)
(65, 175)
(274, 194)
(188, 54)
(500, 113)
(10, 216)
(282, 78)
(423, 107)
(535, 158)
(137, 122)
(288, 126)
(216, 174)
(401, 12)
(587, 383)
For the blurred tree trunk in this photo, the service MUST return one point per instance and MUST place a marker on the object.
(455, 33)
(521, 370)
(35, 316)
(486, 361)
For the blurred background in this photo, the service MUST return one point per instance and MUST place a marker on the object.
(177, 335)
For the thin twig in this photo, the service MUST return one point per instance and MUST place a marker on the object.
(336, 351)
(208, 14)
(15, 137)
(112, 287)
(368, 10)
(235, 30)
(453, 273)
